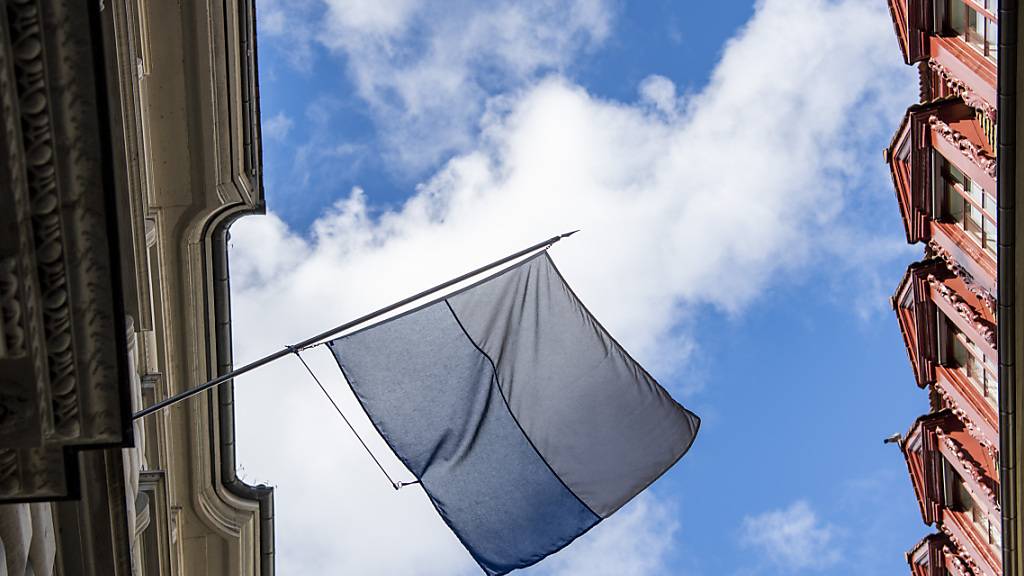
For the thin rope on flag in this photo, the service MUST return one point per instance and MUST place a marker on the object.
(397, 485)
(308, 342)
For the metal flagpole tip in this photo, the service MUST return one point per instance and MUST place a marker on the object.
(555, 239)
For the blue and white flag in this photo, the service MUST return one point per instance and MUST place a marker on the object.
(525, 422)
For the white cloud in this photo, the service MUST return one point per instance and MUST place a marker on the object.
(291, 25)
(335, 513)
(707, 206)
(277, 126)
(633, 542)
(426, 69)
(660, 92)
(793, 538)
(369, 17)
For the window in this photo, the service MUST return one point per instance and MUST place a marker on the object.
(975, 22)
(907, 300)
(968, 358)
(958, 497)
(964, 202)
(988, 529)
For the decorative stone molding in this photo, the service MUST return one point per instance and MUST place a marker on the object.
(964, 555)
(27, 539)
(965, 310)
(992, 451)
(958, 87)
(952, 557)
(20, 335)
(65, 150)
(44, 199)
(969, 149)
(12, 323)
(62, 357)
(988, 299)
(14, 404)
(973, 469)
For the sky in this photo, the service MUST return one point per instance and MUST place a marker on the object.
(740, 237)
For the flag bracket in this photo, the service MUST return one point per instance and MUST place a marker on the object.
(315, 340)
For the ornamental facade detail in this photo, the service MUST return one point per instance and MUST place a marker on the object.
(130, 142)
(943, 164)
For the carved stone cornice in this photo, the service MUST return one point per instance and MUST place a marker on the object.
(964, 555)
(46, 219)
(62, 348)
(987, 298)
(970, 150)
(965, 310)
(961, 89)
(953, 557)
(12, 324)
(974, 470)
(991, 450)
(21, 341)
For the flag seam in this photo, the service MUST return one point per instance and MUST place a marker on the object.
(445, 298)
(494, 382)
(425, 485)
(497, 384)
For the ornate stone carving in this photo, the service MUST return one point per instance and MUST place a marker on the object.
(20, 298)
(61, 349)
(100, 352)
(14, 407)
(969, 149)
(965, 310)
(44, 200)
(958, 87)
(973, 469)
(987, 298)
(952, 557)
(964, 555)
(992, 451)
(12, 325)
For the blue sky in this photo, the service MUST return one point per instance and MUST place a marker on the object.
(740, 237)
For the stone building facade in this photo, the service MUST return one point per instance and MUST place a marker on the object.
(130, 142)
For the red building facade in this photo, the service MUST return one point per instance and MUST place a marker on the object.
(942, 160)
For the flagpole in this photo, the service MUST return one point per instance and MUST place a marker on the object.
(338, 329)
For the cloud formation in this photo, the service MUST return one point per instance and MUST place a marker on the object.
(426, 69)
(277, 126)
(292, 23)
(792, 538)
(634, 542)
(684, 204)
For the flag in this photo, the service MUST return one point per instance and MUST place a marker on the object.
(524, 421)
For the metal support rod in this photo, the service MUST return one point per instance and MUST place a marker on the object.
(338, 329)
